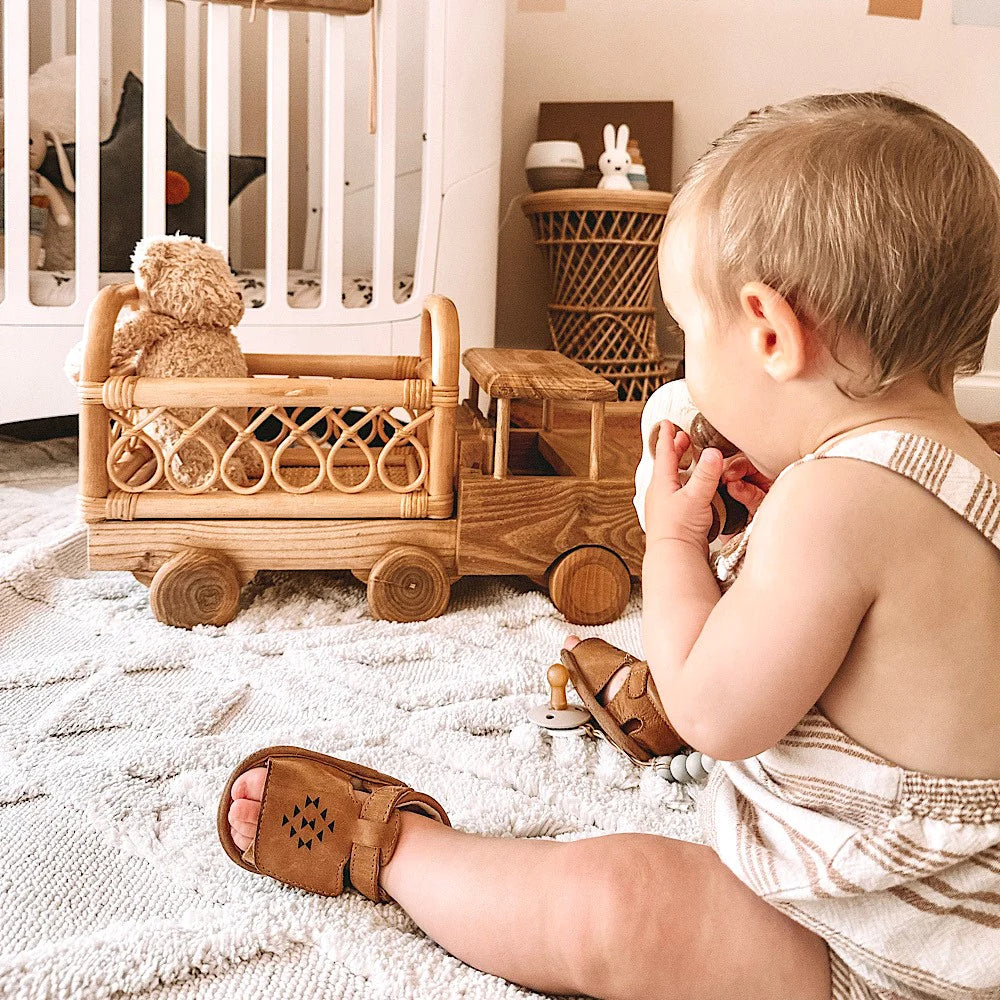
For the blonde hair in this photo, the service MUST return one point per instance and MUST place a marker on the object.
(871, 215)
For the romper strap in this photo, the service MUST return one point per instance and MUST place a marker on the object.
(952, 478)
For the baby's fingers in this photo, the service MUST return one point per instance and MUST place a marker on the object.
(740, 467)
(704, 480)
(747, 494)
(665, 462)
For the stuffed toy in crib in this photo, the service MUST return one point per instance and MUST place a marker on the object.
(45, 200)
(673, 402)
(188, 303)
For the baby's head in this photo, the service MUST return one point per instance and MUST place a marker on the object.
(844, 244)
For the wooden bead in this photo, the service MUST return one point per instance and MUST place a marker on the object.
(718, 516)
(704, 435)
(590, 585)
(408, 584)
(195, 587)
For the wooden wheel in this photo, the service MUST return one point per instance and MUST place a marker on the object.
(195, 587)
(408, 584)
(590, 585)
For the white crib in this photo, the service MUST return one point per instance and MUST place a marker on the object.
(455, 244)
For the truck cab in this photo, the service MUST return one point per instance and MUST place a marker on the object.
(543, 488)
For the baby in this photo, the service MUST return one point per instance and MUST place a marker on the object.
(833, 262)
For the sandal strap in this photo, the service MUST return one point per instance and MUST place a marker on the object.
(375, 834)
(632, 702)
(600, 671)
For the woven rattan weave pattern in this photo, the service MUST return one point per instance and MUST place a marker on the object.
(601, 250)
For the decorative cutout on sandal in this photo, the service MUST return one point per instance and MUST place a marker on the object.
(308, 823)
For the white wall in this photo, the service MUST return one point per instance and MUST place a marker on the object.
(716, 60)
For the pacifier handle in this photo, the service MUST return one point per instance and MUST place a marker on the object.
(558, 677)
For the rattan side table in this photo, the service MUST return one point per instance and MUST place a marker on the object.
(601, 251)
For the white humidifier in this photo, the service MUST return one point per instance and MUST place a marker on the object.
(552, 164)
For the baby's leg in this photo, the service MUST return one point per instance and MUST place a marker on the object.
(625, 915)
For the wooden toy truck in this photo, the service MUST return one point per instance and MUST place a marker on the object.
(369, 464)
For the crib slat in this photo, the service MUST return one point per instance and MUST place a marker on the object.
(57, 13)
(236, 116)
(16, 187)
(107, 43)
(333, 165)
(192, 71)
(217, 130)
(88, 68)
(314, 139)
(385, 160)
(432, 160)
(154, 115)
(277, 161)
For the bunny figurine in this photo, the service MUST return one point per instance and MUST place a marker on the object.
(615, 161)
(44, 195)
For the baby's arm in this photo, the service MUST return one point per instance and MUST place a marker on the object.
(737, 672)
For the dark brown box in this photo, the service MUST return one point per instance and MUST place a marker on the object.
(651, 123)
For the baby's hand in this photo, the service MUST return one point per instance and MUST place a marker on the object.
(746, 484)
(676, 510)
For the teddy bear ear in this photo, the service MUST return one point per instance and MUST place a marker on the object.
(189, 281)
(146, 261)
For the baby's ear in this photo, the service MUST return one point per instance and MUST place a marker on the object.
(776, 335)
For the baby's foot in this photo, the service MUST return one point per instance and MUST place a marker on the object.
(617, 680)
(247, 792)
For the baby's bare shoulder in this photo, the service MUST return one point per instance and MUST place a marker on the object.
(867, 518)
(833, 495)
(844, 510)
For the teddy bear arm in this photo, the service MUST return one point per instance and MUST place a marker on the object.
(131, 336)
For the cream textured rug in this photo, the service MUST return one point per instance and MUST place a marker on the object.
(116, 734)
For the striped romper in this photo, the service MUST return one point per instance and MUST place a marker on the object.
(898, 871)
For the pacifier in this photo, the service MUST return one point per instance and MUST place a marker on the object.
(558, 713)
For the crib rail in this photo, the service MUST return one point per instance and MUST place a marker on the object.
(85, 27)
(304, 436)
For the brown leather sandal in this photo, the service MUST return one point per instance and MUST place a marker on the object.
(631, 720)
(313, 825)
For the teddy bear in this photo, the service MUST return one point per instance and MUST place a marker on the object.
(182, 327)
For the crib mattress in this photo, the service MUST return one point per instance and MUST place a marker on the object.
(57, 288)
